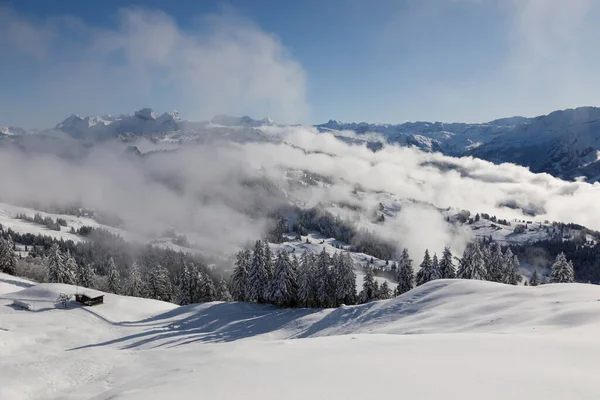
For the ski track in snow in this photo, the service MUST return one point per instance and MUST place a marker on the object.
(543, 340)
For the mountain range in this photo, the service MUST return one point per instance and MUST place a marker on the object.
(564, 143)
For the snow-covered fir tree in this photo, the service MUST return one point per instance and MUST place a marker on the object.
(405, 274)
(427, 272)
(284, 285)
(207, 289)
(306, 284)
(384, 291)
(258, 275)
(223, 291)
(270, 268)
(472, 264)
(322, 279)
(512, 268)
(446, 265)
(437, 270)
(239, 278)
(56, 267)
(562, 270)
(495, 263)
(187, 290)
(345, 279)
(135, 284)
(159, 284)
(113, 280)
(370, 287)
(85, 275)
(535, 279)
(8, 261)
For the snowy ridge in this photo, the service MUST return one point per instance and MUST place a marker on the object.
(563, 143)
(131, 348)
(143, 121)
(449, 138)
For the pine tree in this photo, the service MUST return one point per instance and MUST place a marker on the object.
(114, 278)
(283, 284)
(446, 266)
(346, 280)
(512, 275)
(405, 274)
(223, 291)
(207, 290)
(57, 271)
(270, 268)
(136, 285)
(496, 263)
(323, 294)
(384, 291)
(534, 280)
(85, 275)
(159, 284)
(376, 289)
(258, 276)
(8, 261)
(306, 280)
(71, 267)
(239, 280)
(427, 272)
(472, 264)
(436, 271)
(562, 270)
(370, 286)
(187, 290)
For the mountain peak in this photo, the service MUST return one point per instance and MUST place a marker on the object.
(145, 114)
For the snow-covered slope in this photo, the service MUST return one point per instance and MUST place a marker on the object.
(564, 144)
(449, 138)
(479, 335)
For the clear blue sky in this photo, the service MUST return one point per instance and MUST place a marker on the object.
(354, 60)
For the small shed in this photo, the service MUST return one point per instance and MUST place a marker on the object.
(89, 300)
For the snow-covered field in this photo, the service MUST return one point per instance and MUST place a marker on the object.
(448, 339)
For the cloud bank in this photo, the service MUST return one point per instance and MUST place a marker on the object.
(218, 194)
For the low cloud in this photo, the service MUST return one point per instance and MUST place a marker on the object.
(219, 194)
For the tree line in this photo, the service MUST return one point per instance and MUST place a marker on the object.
(107, 262)
(322, 280)
(314, 280)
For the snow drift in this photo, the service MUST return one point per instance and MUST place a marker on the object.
(541, 339)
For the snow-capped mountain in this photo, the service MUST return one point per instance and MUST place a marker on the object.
(564, 144)
(448, 138)
(143, 121)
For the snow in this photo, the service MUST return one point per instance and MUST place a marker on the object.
(9, 284)
(447, 339)
(143, 121)
(8, 213)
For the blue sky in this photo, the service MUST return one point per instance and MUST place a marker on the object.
(378, 61)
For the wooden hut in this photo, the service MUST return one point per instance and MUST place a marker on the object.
(88, 300)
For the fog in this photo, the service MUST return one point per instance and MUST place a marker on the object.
(218, 194)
